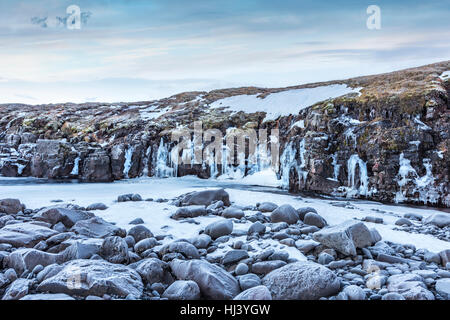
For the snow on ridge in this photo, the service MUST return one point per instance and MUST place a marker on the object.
(445, 75)
(284, 103)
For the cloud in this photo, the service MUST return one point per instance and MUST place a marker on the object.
(41, 22)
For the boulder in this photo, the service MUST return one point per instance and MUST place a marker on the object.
(18, 289)
(82, 249)
(345, 237)
(11, 206)
(354, 293)
(303, 211)
(285, 213)
(233, 212)
(182, 290)
(97, 228)
(189, 212)
(234, 256)
(185, 248)
(26, 234)
(443, 288)
(115, 250)
(438, 219)
(139, 233)
(214, 282)
(97, 206)
(410, 286)
(313, 219)
(266, 267)
(301, 281)
(94, 277)
(201, 241)
(248, 281)
(206, 197)
(257, 227)
(26, 259)
(219, 228)
(445, 256)
(67, 216)
(267, 206)
(144, 245)
(255, 293)
(153, 270)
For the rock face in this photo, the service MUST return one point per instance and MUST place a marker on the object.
(301, 281)
(345, 237)
(214, 282)
(25, 234)
(387, 141)
(87, 277)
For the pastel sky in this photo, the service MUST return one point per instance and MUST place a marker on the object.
(130, 50)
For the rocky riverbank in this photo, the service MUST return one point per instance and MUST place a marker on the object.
(382, 137)
(66, 251)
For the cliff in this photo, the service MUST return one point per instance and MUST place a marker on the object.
(383, 137)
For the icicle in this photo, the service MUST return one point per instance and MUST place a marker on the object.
(146, 161)
(162, 161)
(75, 169)
(363, 177)
(128, 162)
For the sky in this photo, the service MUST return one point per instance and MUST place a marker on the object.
(135, 50)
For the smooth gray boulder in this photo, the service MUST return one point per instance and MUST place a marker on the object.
(185, 248)
(25, 234)
(303, 211)
(94, 277)
(189, 212)
(144, 245)
(140, 232)
(82, 249)
(313, 219)
(201, 241)
(266, 267)
(206, 197)
(255, 293)
(11, 206)
(153, 270)
(285, 213)
(18, 289)
(97, 228)
(214, 282)
(301, 281)
(66, 216)
(345, 237)
(115, 250)
(443, 288)
(267, 206)
(97, 206)
(182, 290)
(233, 212)
(257, 227)
(234, 256)
(438, 219)
(27, 259)
(410, 286)
(248, 281)
(354, 292)
(219, 228)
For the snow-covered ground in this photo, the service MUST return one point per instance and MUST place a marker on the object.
(289, 102)
(157, 215)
